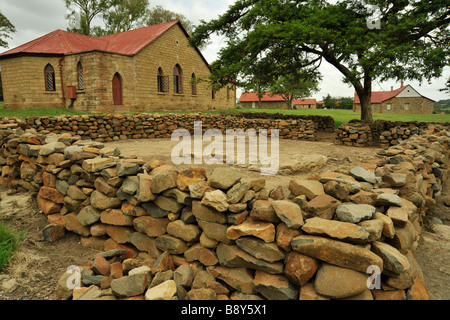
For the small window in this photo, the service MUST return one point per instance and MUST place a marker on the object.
(177, 88)
(49, 78)
(388, 106)
(163, 81)
(194, 84)
(213, 94)
(80, 76)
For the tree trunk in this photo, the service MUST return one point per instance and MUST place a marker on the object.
(366, 108)
(365, 97)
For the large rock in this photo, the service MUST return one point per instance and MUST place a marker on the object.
(98, 164)
(274, 287)
(323, 206)
(153, 227)
(310, 188)
(129, 286)
(289, 212)
(234, 257)
(238, 278)
(338, 283)
(186, 232)
(259, 229)
(336, 252)
(199, 253)
(205, 213)
(388, 199)
(299, 268)
(263, 211)
(163, 180)
(344, 231)
(145, 193)
(170, 244)
(163, 291)
(52, 147)
(362, 174)
(216, 199)
(260, 249)
(354, 213)
(103, 202)
(88, 215)
(224, 177)
(237, 192)
(393, 260)
(191, 176)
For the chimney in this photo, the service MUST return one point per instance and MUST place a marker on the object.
(392, 88)
(401, 85)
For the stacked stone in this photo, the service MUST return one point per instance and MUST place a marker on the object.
(382, 133)
(170, 234)
(104, 128)
(322, 123)
(357, 134)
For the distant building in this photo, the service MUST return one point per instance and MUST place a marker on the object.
(402, 100)
(305, 104)
(146, 69)
(273, 101)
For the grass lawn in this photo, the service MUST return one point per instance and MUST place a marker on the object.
(36, 112)
(340, 116)
(343, 116)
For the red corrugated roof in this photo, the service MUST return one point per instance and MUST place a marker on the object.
(305, 101)
(63, 42)
(380, 96)
(253, 96)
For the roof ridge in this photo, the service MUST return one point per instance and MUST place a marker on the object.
(64, 40)
(39, 40)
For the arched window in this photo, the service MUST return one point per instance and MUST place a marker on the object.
(177, 79)
(117, 89)
(163, 81)
(80, 76)
(194, 84)
(49, 78)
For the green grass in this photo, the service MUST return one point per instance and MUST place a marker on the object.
(37, 112)
(343, 116)
(9, 243)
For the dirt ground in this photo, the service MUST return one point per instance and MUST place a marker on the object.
(35, 270)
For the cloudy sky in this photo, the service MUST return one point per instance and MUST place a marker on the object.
(34, 18)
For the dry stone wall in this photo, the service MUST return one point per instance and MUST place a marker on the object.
(382, 133)
(164, 233)
(103, 128)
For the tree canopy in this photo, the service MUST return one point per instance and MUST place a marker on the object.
(409, 40)
(6, 30)
(117, 16)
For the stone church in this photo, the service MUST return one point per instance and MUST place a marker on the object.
(147, 69)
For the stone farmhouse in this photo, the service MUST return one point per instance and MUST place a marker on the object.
(273, 101)
(305, 104)
(402, 100)
(146, 69)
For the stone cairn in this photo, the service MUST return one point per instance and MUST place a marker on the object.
(164, 233)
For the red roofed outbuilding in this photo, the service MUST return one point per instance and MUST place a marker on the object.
(146, 69)
(402, 100)
(273, 101)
